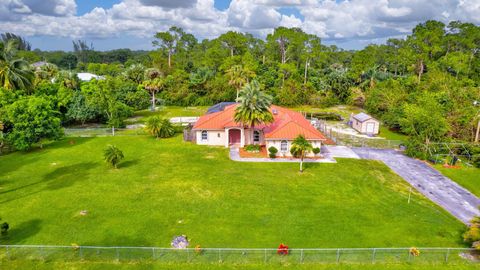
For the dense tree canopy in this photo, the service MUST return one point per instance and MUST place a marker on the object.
(423, 85)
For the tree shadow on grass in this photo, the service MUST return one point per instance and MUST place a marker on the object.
(19, 233)
(67, 175)
(128, 163)
(59, 178)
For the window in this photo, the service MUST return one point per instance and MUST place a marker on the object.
(284, 146)
(256, 136)
(204, 135)
(218, 135)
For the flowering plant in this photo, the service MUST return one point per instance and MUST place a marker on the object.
(282, 249)
(414, 251)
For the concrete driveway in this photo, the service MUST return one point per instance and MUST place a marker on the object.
(449, 195)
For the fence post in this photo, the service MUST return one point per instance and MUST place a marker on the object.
(373, 255)
(301, 256)
(338, 255)
(446, 255)
(118, 254)
(265, 256)
(219, 255)
(40, 249)
(81, 253)
(8, 253)
(153, 253)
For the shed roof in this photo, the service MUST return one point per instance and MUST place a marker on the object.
(362, 117)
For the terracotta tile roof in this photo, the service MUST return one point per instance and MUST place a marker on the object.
(287, 124)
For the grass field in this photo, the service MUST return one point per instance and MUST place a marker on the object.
(168, 112)
(467, 177)
(151, 266)
(167, 187)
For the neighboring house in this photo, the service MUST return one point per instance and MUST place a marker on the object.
(219, 128)
(364, 123)
(86, 77)
(40, 64)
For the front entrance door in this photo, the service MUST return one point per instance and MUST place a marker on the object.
(370, 128)
(234, 136)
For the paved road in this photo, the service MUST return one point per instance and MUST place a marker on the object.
(452, 197)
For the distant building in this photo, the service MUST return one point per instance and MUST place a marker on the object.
(39, 64)
(86, 77)
(365, 124)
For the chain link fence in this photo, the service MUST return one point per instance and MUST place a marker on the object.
(356, 141)
(235, 255)
(103, 132)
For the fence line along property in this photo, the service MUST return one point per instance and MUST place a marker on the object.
(235, 255)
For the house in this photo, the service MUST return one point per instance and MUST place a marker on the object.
(218, 127)
(86, 77)
(364, 123)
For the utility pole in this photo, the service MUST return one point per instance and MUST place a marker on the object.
(477, 103)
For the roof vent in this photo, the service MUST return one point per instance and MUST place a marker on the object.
(274, 111)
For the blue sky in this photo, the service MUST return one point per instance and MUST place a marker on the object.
(112, 24)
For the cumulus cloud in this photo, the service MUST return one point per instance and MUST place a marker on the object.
(169, 3)
(331, 20)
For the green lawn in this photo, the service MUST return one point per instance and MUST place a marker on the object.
(150, 266)
(467, 177)
(168, 112)
(391, 135)
(167, 187)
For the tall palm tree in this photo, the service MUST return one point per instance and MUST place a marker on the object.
(300, 147)
(254, 106)
(14, 73)
(239, 76)
(153, 86)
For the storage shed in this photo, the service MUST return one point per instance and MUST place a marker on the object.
(365, 124)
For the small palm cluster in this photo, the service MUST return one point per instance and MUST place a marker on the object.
(159, 127)
(113, 155)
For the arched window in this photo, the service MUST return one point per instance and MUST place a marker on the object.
(284, 146)
(256, 136)
(204, 135)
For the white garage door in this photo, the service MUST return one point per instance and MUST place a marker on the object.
(370, 128)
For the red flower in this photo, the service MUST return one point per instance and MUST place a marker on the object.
(282, 249)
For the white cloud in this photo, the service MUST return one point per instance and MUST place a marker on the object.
(345, 20)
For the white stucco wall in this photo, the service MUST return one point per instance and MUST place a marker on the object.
(249, 137)
(215, 137)
(277, 144)
(362, 126)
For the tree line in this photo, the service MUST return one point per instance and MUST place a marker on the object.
(423, 85)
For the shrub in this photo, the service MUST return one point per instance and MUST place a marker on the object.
(159, 127)
(472, 235)
(272, 152)
(316, 150)
(113, 155)
(252, 148)
(4, 228)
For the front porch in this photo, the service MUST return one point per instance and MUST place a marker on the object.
(239, 137)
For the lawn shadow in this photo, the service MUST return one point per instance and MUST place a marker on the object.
(128, 163)
(21, 232)
(67, 175)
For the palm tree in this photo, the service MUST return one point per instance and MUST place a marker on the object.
(14, 73)
(239, 76)
(113, 155)
(68, 79)
(254, 106)
(153, 86)
(159, 127)
(46, 72)
(300, 147)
